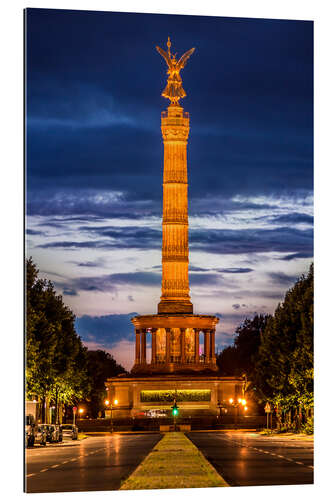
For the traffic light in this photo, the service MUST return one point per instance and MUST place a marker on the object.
(174, 409)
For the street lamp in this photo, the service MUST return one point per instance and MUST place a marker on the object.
(236, 405)
(219, 405)
(111, 404)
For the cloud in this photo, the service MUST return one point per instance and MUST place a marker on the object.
(69, 291)
(235, 270)
(89, 264)
(33, 232)
(298, 255)
(283, 279)
(233, 241)
(232, 270)
(107, 329)
(292, 218)
(109, 282)
(216, 241)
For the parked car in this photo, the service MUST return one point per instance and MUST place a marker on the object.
(40, 436)
(52, 433)
(70, 431)
(30, 430)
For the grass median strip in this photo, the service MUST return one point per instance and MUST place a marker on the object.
(174, 463)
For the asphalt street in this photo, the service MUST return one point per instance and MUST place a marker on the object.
(93, 464)
(248, 459)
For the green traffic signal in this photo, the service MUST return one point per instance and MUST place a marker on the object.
(175, 410)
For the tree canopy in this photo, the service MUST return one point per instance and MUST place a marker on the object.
(56, 360)
(276, 352)
(101, 365)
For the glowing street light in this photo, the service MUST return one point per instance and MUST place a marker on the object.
(108, 403)
(240, 402)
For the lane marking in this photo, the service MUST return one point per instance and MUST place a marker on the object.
(43, 470)
(73, 459)
(299, 463)
(280, 456)
(54, 466)
(29, 475)
(310, 466)
(65, 462)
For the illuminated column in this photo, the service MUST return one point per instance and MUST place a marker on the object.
(167, 344)
(137, 346)
(175, 296)
(182, 344)
(206, 345)
(153, 345)
(212, 346)
(196, 344)
(143, 346)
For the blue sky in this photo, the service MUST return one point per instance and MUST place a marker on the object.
(95, 159)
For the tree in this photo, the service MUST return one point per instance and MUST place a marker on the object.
(239, 358)
(56, 360)
(100, 365)
(284, 368)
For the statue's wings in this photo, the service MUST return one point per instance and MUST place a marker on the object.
(165, 55)
(182, 61)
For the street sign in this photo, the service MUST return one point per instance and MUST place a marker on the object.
(268, 408)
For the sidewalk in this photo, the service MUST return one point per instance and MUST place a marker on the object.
(288, 436)
(174, 463)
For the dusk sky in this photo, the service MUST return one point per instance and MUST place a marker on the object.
(95, 163)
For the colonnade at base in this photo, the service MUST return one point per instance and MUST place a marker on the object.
(175, 345)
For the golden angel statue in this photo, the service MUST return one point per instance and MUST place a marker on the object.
(174, 89)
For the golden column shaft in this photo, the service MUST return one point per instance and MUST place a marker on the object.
(175, 296)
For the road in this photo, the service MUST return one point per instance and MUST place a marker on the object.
(248, 459)
(95, 463)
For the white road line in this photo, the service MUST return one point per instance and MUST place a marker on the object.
(73, 459)
(43, 470)
(310, 466)
(280, 456)
(65, 462)
(289, 459)
(266, 452)
(54, 466)
(299, 463)
(29, 475)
